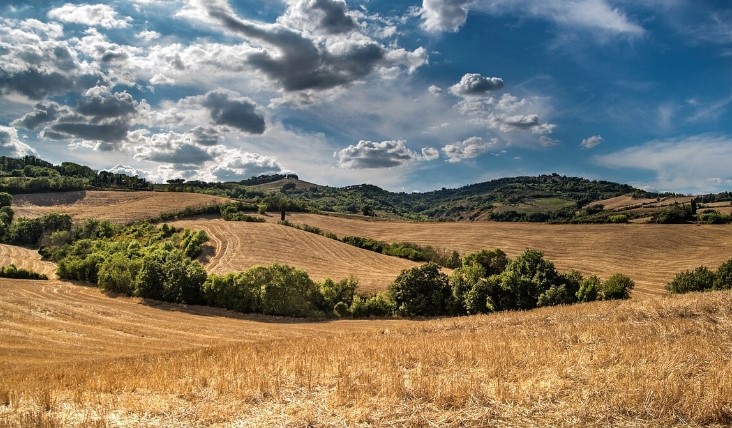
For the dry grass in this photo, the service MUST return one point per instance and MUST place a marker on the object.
(240, 245)
(653, 362)
(24, 258)
(650, 254)
(120, 207)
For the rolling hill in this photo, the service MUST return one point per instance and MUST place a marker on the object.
(71, 356)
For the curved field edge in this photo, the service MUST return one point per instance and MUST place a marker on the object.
(650, 254)
(24, 258)
(650, 362)
(238, 246)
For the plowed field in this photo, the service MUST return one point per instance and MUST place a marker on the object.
(121, 207)
(650, 254)
(24, 258)
(241, 245)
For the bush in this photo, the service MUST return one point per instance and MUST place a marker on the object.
(723, 278)
(334, 293)
(588, 289)
(421, 291)
(699, 279)
(118, 274)
(525, 279)
(376, 305)
(493, 262)
(618, 218)
(617, 286)
(166, 273)
(11, 271)
(192, 243)
(235, 291)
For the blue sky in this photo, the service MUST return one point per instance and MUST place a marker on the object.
(407, 95)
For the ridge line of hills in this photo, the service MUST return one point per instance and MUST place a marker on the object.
(543, 198)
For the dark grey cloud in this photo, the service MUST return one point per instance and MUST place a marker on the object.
(34, 84)
(334, 19)
(105, 105)
(100, 116)
(240, 113)
(180, 150)
(205, 136)
(370, 154)
(110, 131)
(42, 113)
(300, 63)
(185, 154)
(473, 84)
(36, 63)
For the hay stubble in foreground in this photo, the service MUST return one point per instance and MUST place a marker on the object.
(653, 362)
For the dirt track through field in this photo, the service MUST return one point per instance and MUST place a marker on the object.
(241, 245)
(650, 254)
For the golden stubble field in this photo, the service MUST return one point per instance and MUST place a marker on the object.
(650, 254)
(120, 207)
(71, 356)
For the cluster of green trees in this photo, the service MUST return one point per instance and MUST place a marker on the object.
(702, 279)
(11, 271)
(30, 174)
(488, 281)
(28, 231)
(407, 250)
(279, 290)
(140, 260)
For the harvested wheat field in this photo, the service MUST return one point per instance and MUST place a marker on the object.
(650, 254)
(24, 258)
(120, 207)
(73, 357)
(240, 245)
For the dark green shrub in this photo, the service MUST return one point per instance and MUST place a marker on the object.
(166, 273)
(723, 277)
(11, 271)
(699, 279)
(376, 305)
(421, 291)
(118, 273)
(617, 286)
(493, 262)
(588, 289)
(235, 291)
(337, 292)
(525, 279)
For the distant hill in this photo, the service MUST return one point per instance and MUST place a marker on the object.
(544, 198)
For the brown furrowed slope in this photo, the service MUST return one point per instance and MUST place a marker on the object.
(120, 207)
(650, 362)
(23, 258)
(241, 245)
(650, 254)
(55, 322)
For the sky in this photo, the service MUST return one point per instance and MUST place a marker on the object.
(407, 95)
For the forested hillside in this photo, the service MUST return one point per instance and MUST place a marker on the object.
(545, 198)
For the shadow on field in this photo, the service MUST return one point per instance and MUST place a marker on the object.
(49, 199)
(208, 311)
